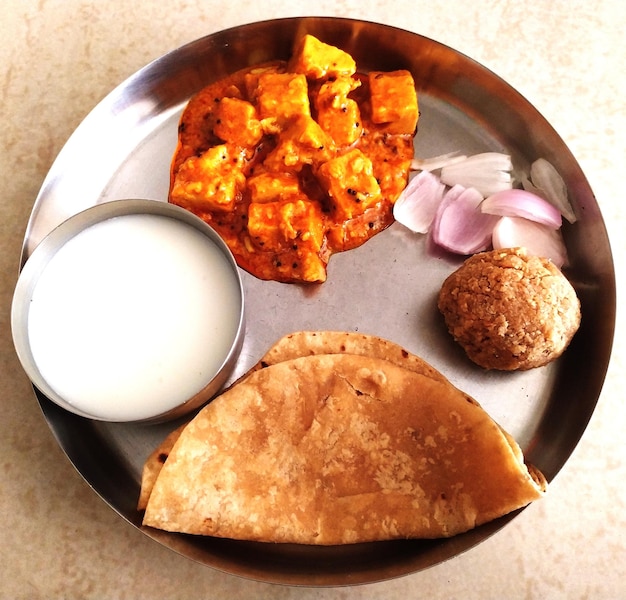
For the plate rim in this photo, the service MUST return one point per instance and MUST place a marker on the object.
(166, 59)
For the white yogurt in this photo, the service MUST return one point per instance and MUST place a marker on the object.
(133, 316)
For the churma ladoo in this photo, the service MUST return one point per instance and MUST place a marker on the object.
(510, 310)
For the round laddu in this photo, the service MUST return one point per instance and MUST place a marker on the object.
(509, 310)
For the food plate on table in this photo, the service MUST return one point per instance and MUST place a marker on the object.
(386, 287)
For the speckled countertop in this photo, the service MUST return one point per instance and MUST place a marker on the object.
(60, 57)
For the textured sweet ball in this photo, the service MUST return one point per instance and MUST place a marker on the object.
(510, 311)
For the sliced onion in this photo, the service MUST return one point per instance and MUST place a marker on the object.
(451, 195)
(436, 162)
(527, 185)
(460, 226)
(538, 239)
(417, 205)
(520, 203)
(488, 172)
(548, 184)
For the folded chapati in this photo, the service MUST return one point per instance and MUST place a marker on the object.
(336, 449)
(295, 345)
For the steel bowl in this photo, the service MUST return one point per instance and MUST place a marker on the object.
(57, 239)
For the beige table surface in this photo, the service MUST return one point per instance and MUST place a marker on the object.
(58, 58)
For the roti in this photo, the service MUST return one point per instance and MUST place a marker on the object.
(305, 343)
(154, 463)
(339, 448)
(294, 345)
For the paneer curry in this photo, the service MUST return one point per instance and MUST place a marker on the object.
(292, 161)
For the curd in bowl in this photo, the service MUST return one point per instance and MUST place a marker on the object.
(130, 311)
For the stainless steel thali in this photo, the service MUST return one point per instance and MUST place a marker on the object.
(387, 287)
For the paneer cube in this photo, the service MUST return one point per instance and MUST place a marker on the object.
(237, 122)
(276, 226)
(211, 181)
(303, 142)
(318, 60)
(394, 101)
(251, 78)
(269, 187)
(282, 96)
(350, 183)
(337, 114)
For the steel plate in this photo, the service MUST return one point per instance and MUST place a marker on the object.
(387, 287)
